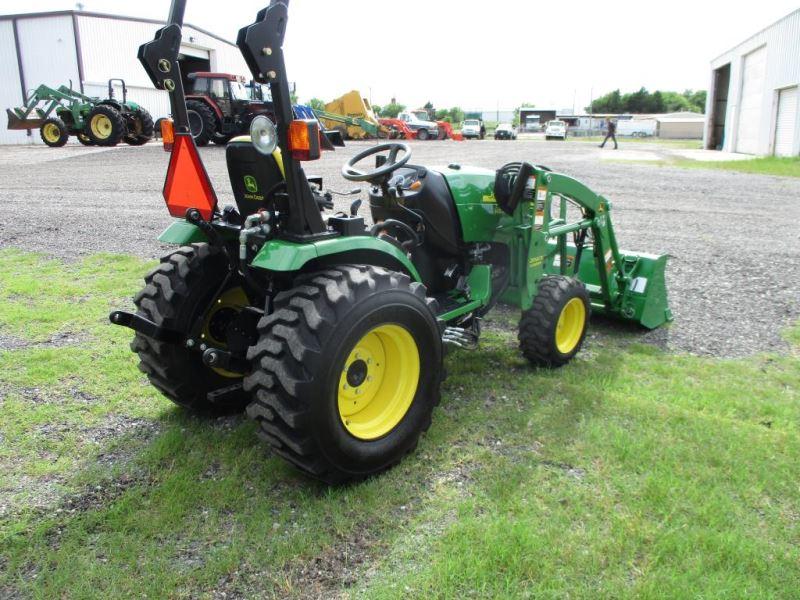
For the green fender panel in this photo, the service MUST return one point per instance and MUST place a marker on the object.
(180, 232)
(280, 255)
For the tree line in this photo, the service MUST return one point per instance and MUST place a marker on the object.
(643, 101)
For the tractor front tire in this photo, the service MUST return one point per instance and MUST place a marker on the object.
(346, 371)
(176, 293)
(201, 122)
(422, 134)
(140, 128)
(54, 132)
(552, 331)
(105, 126)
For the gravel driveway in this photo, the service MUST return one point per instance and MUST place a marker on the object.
(733, 241)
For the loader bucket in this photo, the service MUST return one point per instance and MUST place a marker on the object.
(645, 298)
(16, 122)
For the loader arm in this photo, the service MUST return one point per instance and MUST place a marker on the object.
(624, 284)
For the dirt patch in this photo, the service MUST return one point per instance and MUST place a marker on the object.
(35, 395)
(57, 340)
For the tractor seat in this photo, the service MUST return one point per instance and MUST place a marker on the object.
(251, 173)
(427, 193)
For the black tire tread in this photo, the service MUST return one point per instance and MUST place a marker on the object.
(303, 318)
(538, 322)
(165, 294)
(119, 128)
(209, 122)
(146, 130)
(63, 138)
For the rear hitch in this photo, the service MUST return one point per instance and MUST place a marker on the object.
(145, 326)
(222, 359)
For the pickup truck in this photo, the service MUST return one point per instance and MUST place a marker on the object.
(473, 129)
(418, 123)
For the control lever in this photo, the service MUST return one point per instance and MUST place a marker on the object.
(354, 207)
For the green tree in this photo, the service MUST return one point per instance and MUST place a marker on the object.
(442, 114)
(316, 104)
(431, 111)
(376, 109)
(456, 114)
(392, 109)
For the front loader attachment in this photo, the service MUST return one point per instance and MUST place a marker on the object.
(621, 284)
(640, 293)
(17, 122)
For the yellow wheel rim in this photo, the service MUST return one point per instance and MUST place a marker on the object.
(378, 382)
(571, 323)
(225, 308)
(51, 132)
(101, 126)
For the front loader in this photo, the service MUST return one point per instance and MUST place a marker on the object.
(331, 332)
(62, 112)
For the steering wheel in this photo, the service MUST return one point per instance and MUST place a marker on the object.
(392, 163)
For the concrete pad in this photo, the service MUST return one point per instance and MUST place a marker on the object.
(633, 155)
(711, 155)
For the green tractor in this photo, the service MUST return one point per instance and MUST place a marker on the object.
(60, 113)
(331, 333)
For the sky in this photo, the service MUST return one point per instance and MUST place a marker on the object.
(481, 55)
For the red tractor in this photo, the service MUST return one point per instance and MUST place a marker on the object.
(221, 106)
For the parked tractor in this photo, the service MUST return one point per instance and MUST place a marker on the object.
(332, 332)
(60, 113)
(221, 105)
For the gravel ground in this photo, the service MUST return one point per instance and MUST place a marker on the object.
(734, 268)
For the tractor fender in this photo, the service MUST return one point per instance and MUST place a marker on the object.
(181, 232)
(285, 256)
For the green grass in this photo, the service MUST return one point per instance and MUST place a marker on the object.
(766, 165)
(628, 473)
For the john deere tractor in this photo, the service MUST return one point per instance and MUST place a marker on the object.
(60, 113)
(331, 332)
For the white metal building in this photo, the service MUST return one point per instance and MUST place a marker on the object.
(89, 49)
(752, 104)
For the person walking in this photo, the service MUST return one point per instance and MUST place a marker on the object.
(610, 131)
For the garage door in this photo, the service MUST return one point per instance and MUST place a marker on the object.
(785, 122)
(752, 102)
(194, 51)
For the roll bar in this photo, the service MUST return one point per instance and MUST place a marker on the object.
(261, 45)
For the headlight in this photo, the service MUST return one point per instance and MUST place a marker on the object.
(263, 134)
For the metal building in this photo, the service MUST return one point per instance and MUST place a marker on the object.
(88, 49)
(752, 104)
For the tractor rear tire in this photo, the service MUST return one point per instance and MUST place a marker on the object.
(220, 139)
(202, 122)
(552, 331)
(105, 126)
(346, 371)
(54, 132)
(140, 128)
(175, 294)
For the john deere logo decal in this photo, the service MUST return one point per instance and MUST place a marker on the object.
(250, 184)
